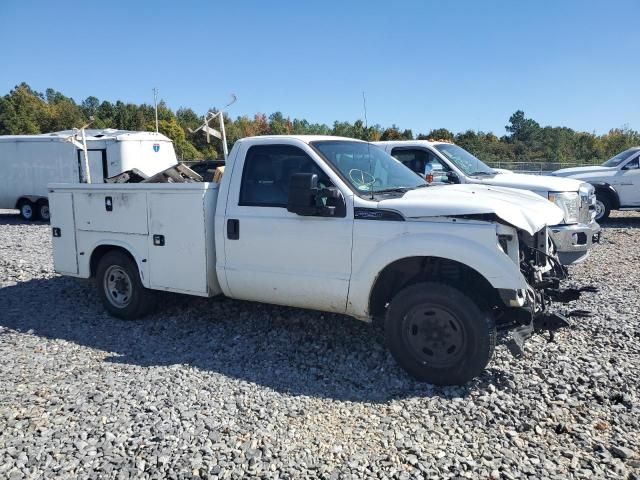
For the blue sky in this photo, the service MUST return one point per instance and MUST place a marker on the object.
(423, 64)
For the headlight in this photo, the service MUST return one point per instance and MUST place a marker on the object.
(569, 202)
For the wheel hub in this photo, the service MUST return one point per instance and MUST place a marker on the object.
(27, 211)
(599, 209)
(434, 335)
(117, 286)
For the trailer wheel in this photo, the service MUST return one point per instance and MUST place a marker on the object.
(43, 210)
(120, 288)
(27, 210)
(439, 335)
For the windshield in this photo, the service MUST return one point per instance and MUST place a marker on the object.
(462, 159)
(366, 167)
(619, 158)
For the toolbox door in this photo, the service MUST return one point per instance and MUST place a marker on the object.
(63, 232)
(177, 256)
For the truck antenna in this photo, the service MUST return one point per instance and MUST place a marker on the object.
(155, 103)
(366, 131)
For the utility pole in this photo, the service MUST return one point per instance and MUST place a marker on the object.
(155, 102)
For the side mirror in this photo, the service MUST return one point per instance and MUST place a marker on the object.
(306, 198)
(453, 177)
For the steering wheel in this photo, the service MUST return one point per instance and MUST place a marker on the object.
(360, 178)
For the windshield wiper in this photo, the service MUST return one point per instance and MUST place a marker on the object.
(483, 173)
(394, 190)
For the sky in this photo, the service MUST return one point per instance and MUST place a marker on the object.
(422, 64)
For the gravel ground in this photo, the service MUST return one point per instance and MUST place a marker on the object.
(228, 389)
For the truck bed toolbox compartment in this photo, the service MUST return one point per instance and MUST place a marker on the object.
(112, 211)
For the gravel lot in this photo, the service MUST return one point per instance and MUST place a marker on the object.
(228, 389)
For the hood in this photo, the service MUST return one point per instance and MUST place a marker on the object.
(538, 183)
(567, 172)
(524, 210)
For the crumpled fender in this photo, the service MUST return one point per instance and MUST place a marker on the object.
(485, 258)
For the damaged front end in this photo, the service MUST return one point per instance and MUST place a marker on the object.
(533, 310)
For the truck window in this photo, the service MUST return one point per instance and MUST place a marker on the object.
(266, 173)
(418, 159)
(633, 164)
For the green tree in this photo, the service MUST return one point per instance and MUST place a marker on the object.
(23, 112)
(521, 128)
(437, 134)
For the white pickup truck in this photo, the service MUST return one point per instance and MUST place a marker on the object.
(574, 234)
(331, 224)
(617, 182)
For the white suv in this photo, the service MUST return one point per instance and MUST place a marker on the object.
(617, 182)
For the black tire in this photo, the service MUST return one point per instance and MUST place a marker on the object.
(27, 210)
(603, 206)
(438, 335)
(120, 288)
(42, 210)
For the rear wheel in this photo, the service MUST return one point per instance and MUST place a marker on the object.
(439, 335)
(43, 210)
(603, 206)
(120, 288)
(27, 210)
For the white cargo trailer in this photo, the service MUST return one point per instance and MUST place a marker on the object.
(29, 162)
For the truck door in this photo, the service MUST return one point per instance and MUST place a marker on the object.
(273, 255)
(97, 165)
(627, 182)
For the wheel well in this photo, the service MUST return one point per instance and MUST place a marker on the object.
(408, 271)
(22, 200)
(101, 251)
(611, 195)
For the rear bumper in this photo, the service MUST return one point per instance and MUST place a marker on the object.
(573, 242)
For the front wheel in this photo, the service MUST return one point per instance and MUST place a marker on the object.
(120, 288)
(603, 207)
(438, 335)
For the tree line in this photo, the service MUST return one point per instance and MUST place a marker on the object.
(26, 111)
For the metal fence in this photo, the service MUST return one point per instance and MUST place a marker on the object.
(535, 168)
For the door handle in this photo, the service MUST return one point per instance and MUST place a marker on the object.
(233, 229)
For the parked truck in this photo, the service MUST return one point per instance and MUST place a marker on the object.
(331, 224)
(447, 163)
(30, 162)
(616, 181)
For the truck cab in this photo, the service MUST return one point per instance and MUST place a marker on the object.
(331, 224)
(445, 163)
(616, 181)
